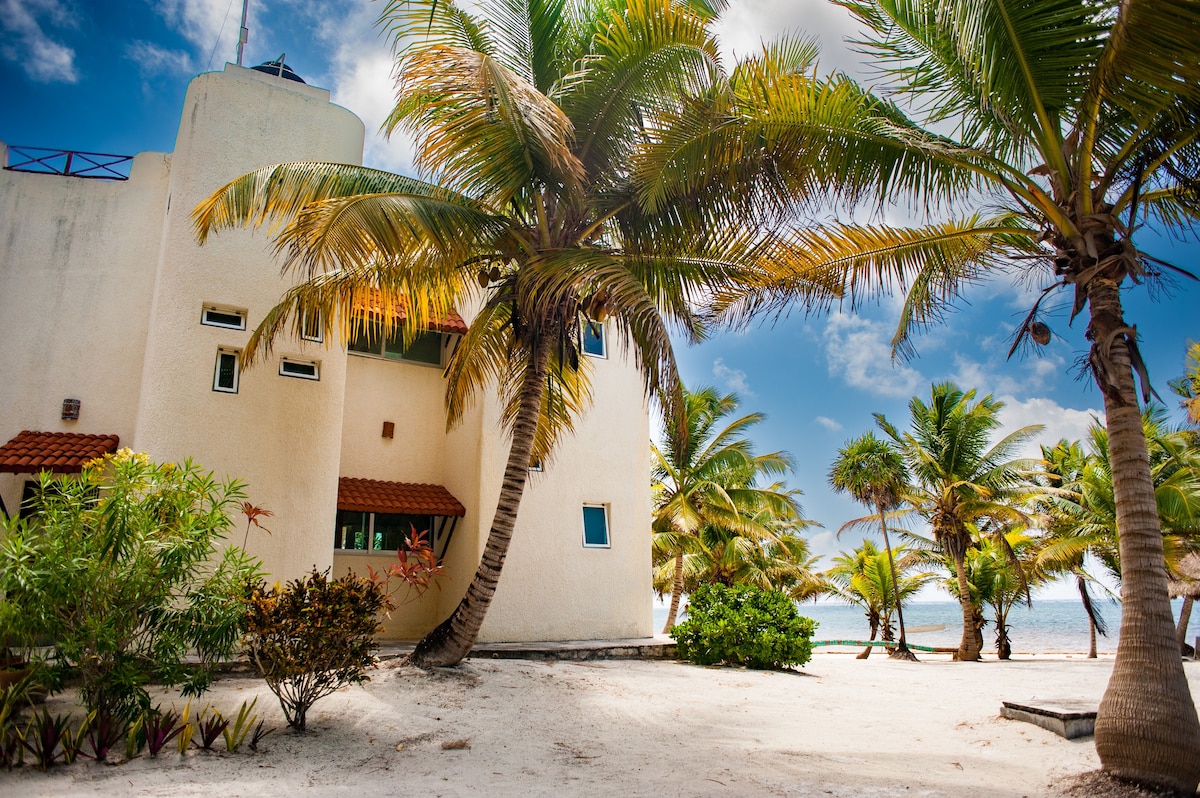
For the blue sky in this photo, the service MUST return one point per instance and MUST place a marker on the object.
(110, 77)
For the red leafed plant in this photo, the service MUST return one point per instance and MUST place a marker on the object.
(416, 567)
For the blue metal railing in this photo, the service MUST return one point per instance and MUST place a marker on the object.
(69, 163)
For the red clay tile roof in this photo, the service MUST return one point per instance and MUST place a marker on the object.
(453, 323)
(410, 498)
(59, 452)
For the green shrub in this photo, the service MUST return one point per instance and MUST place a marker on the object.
(743, 625)
(313, 636)
(120, 569)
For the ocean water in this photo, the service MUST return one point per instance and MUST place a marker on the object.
(1049, 626)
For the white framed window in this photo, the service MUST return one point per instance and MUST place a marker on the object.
(311, 328)
(218, 316)
(591, 338)
(300, 369)
(595, 526)
(226, 371)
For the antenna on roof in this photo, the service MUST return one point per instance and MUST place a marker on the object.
(243, 33)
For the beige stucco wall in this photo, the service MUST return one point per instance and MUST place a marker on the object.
(553, 588)
(77, 261)
(280, 434)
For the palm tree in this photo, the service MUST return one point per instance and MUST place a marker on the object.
(1002, 576)
(868, 577)
(703, 477)
(1060, 128)
(1068, 543)
(780, 561)
(530, 122)
(872, 471)
(1187, 387)
(961, 482)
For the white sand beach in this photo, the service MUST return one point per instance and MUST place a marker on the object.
(841, 727)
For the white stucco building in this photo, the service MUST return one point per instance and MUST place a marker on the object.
(106, 300)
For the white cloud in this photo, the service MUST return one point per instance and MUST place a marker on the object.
(733, 379)
(747, 23)
(208, 24)
(26, 43)
(828, 423)
(1058, 422)
(152, 59)
(858, 351)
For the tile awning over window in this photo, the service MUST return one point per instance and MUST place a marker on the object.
(404, 498)
(58, 452)
(370, 304)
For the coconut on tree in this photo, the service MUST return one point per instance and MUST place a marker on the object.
(1048, 135)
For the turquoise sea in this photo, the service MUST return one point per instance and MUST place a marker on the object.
(1049, 626)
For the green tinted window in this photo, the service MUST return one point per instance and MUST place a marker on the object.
(351, 530)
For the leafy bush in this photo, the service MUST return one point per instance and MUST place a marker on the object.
(119, 568)
(313, 636)
(743, 625)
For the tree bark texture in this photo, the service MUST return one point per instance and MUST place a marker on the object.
(1147, 730)
(971, 645)
(453, 638)
(676, 592)
(1185, 617)
(901, 651)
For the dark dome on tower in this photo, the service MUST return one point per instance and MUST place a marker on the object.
(279, 69)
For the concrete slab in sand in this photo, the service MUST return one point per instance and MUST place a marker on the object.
(1065, 717)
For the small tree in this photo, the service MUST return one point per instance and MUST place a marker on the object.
(313, 636)
(120, 568)
(743, 625)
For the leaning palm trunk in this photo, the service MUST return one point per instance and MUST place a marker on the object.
(901, 651)
(452, 639)
(1146, 728)
(676, 592)
(1185, 617)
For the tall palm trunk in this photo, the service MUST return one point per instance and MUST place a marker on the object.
(676, 591)
(1146, 728)
(901, 651)
(1092, 639)
(452, 639)
(1185, 617)
(971, 645)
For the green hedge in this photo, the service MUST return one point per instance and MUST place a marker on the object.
(743, 625)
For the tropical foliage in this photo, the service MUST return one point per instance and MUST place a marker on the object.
(743, 625)
(712, 523)
(1001, 575)
(963, 484)
(313, 636)
(870, 579)
(539, 130)
(121, 568)
(873, 472)
(1057, 130)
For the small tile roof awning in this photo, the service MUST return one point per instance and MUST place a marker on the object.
(58, 452)
(406, 498)
(370, 304)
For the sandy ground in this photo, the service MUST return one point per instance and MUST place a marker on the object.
(841, 727)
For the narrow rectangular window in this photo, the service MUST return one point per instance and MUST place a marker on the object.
(302, 369)
(225, 373)
(311, 328)
(595, 525)
(214, 316)
(591, 337)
